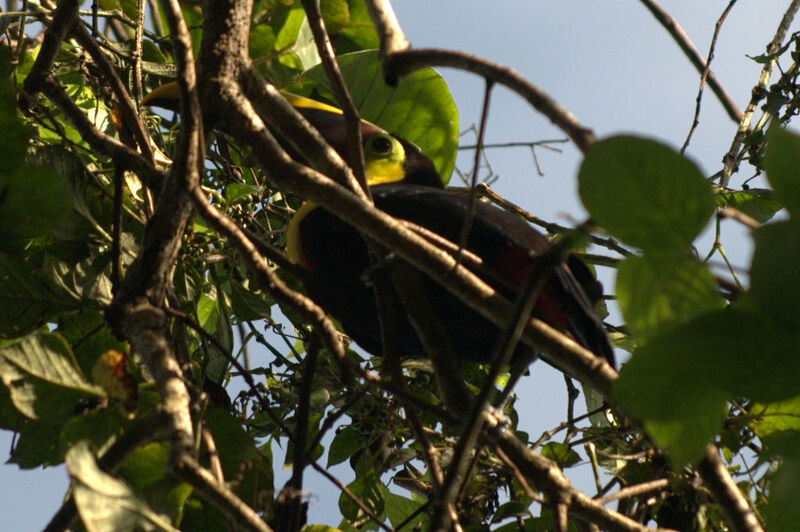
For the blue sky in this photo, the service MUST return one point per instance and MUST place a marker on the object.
(615, 68)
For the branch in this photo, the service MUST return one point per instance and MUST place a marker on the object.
(548, 478)
(393, 40)
(148, 428)
(706, 72)
(401, 64)
(685, 44)
(218, 495)
(355, 148)
(735, 508)
(759, 92)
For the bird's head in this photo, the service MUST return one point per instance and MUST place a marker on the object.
(387, 158)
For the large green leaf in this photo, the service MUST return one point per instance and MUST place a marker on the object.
(13, 136)
(42, 357)
(678, 382)
(105, 503)
(644, 193)
(783, 512)
(775, 271)
(782, 163)
(658, 292)
(420, 109)
(26, 301)
(775, 417)
(349, 25)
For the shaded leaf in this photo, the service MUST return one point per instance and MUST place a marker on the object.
(367, 488)
(783, 512)
(104, 502)
(644, 193)
(759, 203)
(658, 292)
(399, 509)
(26, 301)
(775, 271)
(776, 417)
(345, 444)
(782, 163)
(678, 382)
(561, 454)
(46, 357)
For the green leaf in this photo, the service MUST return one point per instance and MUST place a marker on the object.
(345, 444)
(561, 454)
(658, 292)
(208, 312)
(237, 191)
(367, 488)
(349, 25)
(85, 281)
(775, 271)
(13, 135)
(97, 426)
(678, 382)
(776, 417)
(246, 304)
(234, 446)
(26, 302)
(420, 109)
(105, 503)
(43, 356)
(399, 509)
(34, 200)
(276, 31)
(511, 509)
(783, 512)
(644, 193)
(146, 465)
(782, 163)
(760, 203)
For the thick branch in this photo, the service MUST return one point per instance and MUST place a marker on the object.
(401, 64)
(735, 508)
(218, 495)
(547, 477)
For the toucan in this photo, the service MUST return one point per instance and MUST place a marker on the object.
(405, 184)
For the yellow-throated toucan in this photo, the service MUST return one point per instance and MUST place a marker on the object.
(404, 183)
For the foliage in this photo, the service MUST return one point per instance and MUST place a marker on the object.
(708, 364)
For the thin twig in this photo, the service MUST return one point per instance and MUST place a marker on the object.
(218, 494)
(706, 72)
(759, 92)
(689, 50)
(339, 88)
(402, 64)
(636, 490)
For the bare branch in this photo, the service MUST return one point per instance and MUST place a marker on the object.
(393, 40)
(738, 514)
(685, 44)
(401, 64)
(759, 92)
(218, 495)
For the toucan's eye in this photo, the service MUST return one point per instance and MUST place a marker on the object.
(381, 144)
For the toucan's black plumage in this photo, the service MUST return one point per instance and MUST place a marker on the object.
(405, 184)
(337, 258)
